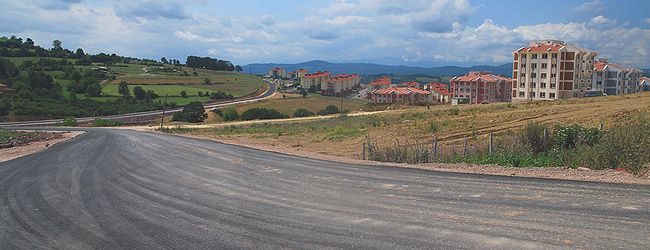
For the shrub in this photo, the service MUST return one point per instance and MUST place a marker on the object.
(568, 137)
(104, 123)
(221, 95)
(69, 122)
(261, 114)
(217, 111)
(301, 112)
(330, 109)
(532, 136)
(183, 94)
(230, 114)
(454, 111)
(192, 112)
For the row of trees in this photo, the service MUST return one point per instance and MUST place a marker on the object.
(211, 64)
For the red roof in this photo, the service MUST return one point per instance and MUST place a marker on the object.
(600, 66)
(644, 79)
(342, 77)
(381, 81)
(302, 70)
(279, 69)
(543, 48)
(402, 91)
(484, 77)
(317, 74)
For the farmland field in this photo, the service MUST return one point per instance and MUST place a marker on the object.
(313, 103)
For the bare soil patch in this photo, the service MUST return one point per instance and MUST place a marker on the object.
(32, 143)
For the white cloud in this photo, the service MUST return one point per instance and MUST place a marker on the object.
(647, 20)
(590, 8)
(602, 22)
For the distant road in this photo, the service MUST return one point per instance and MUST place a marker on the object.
(272, 89)
(121, 189)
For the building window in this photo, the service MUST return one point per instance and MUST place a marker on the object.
(523, 75)
(544, 65)
(534, 56)
(552, 85)
(523, 56)
(522, 94)
(532, 85)
(542, 85)
(543, 75)
(542, 95)
(533, 65)
(554, 55)
(522, 85)
(544, 56)
(532, 94)
(533, 75)
(551, 95)
(553, 76)
(554, 66)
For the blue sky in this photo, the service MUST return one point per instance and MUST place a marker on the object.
(407, 32)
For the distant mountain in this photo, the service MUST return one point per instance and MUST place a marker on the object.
(371, 68)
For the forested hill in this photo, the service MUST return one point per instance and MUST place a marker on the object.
(371, 68)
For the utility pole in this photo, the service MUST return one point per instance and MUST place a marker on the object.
(162, 119)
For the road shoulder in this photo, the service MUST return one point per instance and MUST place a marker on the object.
(7, 154)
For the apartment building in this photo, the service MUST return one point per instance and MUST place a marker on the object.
(341, 84)
(551, 69)
(314, 81)
(379, 83)
(297, 74)
(278, 73)
(615, 79)
(481, 87)
(644, 84)
(400, 94)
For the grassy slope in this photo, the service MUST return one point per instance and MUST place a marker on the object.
(313, 103)
(474, 122)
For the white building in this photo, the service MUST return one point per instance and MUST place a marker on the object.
(551, 69)
(615, 79)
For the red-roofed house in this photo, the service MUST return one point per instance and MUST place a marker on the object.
(314, 79)
(297, 74)
(5, 89)
(340, 84)
(399, 94)
(441, 95)
(644, 84)
(615, 79)
(480, 87)
(551, 69)
(278, 73)
(379, 83)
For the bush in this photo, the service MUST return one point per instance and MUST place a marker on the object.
(230, 114)
(69, 122)
(301, 112)
(183, 94)
(262, 114)
(192, 112)
(217, 111)
(331, 109)
(221, 95)
(569, 137)
(532, 137)
(104, 123)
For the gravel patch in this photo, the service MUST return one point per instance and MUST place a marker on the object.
(561, 173)
(29, 144)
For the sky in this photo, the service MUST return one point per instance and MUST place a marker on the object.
(407, 32)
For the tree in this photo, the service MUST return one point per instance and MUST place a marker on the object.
(151, 95)
(123, 89)
(207, 81)
(79, 54)
(139, 93)
(330, 109)
(164, 60)
(192, 112)
(261, 114)
(230, 114)
(183, 94)
(238, 68)
(301, 112)
(56, 45)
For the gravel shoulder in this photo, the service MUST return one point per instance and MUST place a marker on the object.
(560, 173)
(42, 143)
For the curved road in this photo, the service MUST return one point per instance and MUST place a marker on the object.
(117, 189)
(272, 89)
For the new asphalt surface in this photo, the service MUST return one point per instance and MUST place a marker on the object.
(121, 189)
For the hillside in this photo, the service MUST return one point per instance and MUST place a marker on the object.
(371, 68)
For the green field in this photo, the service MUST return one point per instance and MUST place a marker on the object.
(313, 103)
(162, 90)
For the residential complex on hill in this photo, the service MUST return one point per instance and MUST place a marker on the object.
(481, 87)
(615, 79)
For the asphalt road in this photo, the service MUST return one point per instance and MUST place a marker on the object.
(272, 89)
(116, 189)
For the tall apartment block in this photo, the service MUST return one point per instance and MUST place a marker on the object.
(616, 79)
(551, 69)
(481, 87)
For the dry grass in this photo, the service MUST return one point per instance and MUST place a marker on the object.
(472, 122)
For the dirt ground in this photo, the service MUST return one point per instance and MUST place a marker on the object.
(7, 154)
